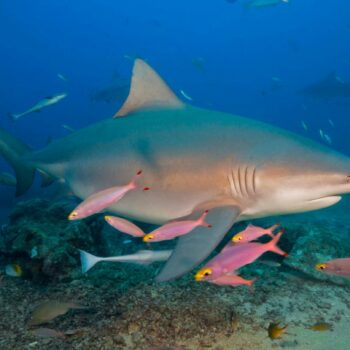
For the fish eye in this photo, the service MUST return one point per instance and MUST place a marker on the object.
(321, 266)
(147, 238)
(207, 272)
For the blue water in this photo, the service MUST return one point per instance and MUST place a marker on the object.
(254, 62)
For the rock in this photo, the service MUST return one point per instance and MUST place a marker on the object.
(315, 244)
(42, 226)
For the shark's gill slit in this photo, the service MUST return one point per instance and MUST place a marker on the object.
(254, 180)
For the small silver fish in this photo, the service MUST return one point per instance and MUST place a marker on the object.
(67, 127)
(187, 97)
(330, 121)
(327, 138)
(62, 77)
(47, 101)
(303, 124)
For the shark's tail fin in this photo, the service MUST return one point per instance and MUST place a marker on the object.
(12, 149)
(87, 261)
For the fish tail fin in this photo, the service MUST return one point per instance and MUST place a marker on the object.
(270, 230)
(12, 116)
(12, 149)
(250, 285)
(202, 221)
(87, 261)
(273, 244)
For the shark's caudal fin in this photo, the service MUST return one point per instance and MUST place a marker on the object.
(194, 247)
(87, 261)
(147, 90)
(12, 149)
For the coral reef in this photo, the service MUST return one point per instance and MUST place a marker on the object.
(43, 242)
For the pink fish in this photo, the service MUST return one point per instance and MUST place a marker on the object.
(234, 256)
(103, 199)
(338, 267)
(232, 280)
(124, 226)
(175, 228)
(252, 233)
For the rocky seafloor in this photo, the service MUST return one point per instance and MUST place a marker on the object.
(126, 309)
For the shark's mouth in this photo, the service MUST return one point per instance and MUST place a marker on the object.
(323, 202)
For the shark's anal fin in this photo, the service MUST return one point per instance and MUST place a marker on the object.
(194, 247)
(147, 90)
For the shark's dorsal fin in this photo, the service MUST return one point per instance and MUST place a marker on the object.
(148, 90)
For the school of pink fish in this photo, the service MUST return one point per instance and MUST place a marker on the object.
(235, 256)
(222, 269)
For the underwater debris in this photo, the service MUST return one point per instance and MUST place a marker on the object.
(48, 310)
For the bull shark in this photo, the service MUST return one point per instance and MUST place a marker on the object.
(45, 102)
(329, 87)
(264, 3)
(193, 159)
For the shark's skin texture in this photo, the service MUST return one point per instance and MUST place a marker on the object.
(197, 159)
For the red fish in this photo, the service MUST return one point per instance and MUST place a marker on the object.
(103, 199)
(124, 226)
(233, 257)
(252, 233)
(175, 228)
(232, 280)
(338, 267)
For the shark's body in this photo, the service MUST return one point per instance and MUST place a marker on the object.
(330, 87)
(188, 157)
(194, 159)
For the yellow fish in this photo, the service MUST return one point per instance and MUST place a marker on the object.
(13, 270)
(275, 331)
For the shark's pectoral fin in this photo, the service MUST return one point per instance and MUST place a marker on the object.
(194, 247)
(147, 90)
